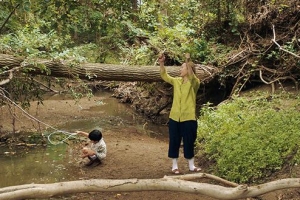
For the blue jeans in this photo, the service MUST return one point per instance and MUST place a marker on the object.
(187, 131)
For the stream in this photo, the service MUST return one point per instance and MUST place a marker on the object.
(53, 163)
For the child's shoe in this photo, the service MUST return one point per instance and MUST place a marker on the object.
(92, 160)
(97, 162)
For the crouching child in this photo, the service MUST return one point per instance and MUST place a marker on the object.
(97, 150)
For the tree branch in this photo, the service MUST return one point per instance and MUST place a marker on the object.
(280, 48)
(9, 17)
(189, 177)
(36, 191)
(277, 79)
(10, 76)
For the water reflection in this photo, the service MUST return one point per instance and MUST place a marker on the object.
(35, 165)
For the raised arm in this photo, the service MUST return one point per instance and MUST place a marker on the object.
(189, 64)
(161, 60)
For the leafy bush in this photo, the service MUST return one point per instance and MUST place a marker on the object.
(250, 138)
(31, 41)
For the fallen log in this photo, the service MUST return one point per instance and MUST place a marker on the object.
(168, 183)
(96, 71)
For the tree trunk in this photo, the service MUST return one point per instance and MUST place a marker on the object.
(96, 71)
(171, 183)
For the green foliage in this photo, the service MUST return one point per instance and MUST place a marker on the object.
(148, 15)
(115, 27)
(30, 41)
(33, 43)
(178, 29)
(24, 90)
(250, 138)
(136, 56)
(20, 10)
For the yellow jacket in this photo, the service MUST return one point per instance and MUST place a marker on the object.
(184, 97)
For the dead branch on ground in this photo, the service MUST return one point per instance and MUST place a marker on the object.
(168, 183)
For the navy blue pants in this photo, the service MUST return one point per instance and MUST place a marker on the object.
(182, 130)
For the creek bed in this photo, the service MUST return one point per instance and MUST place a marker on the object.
(55, 163)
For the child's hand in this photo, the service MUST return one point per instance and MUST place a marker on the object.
(81, 133)
(161, 58)
(85, 150)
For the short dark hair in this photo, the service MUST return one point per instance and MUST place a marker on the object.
(95, 135)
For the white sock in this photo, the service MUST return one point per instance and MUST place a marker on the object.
(191, 164)
(175, 165)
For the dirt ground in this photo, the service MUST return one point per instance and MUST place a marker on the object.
(131, 153)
